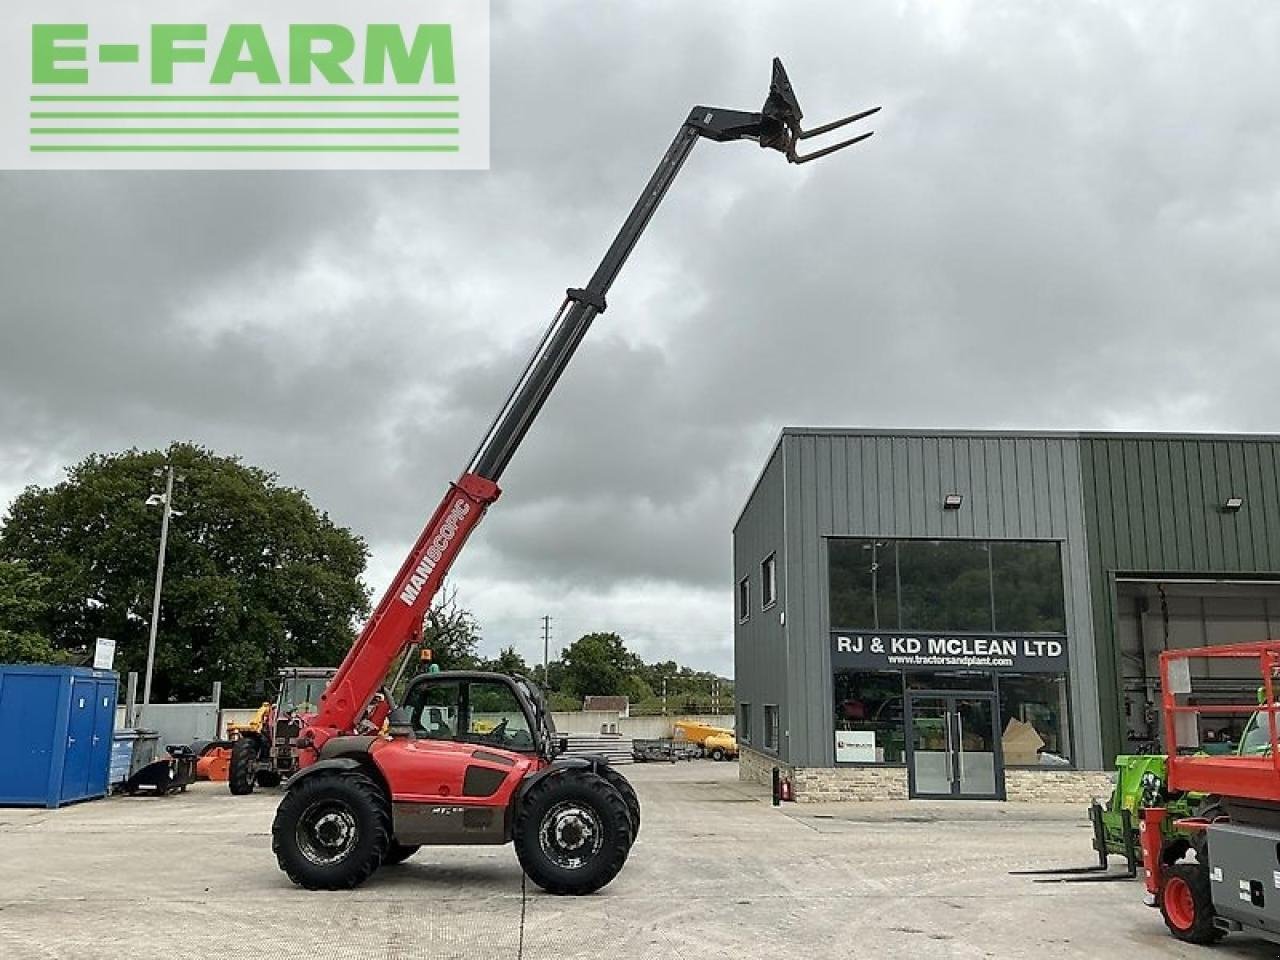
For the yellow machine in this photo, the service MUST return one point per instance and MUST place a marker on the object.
(718, 743)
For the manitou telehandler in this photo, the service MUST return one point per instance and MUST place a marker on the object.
(473, 758)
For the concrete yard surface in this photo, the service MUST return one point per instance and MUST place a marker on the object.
(717, 873)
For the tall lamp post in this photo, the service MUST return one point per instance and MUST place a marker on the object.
(166, 499)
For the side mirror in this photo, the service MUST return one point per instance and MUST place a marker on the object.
(260, 688)
(400, 723)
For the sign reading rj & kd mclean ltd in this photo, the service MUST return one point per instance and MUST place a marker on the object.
(914, 651)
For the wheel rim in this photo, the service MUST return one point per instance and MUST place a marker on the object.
(326, 832)
(1179, 904)
(570, 835)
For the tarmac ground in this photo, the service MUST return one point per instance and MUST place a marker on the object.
(717, 872)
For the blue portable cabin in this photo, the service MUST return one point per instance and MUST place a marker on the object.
(56, 726)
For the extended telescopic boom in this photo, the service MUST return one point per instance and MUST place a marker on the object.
(399, 614)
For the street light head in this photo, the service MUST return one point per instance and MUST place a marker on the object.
(155, 499)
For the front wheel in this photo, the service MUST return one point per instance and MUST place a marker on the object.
(242, 775)
(332, 831)
(1186, 903)
(717, 754)
(573, 833)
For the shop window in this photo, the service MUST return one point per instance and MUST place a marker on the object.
(869, 719)
(1034, 720)
(744, 722)
(944, 585)
(1027, 587)
(864, 593)
(768, 582)
(744, 599)
(771, 727)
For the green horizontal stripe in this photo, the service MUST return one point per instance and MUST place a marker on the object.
(267, 114)
(118, 53)
(171, 131)
(271, 99)
(242, 148)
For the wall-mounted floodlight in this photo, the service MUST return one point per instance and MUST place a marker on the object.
(952, 501)
(1232, 504)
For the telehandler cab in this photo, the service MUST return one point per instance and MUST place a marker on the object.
(474, 757)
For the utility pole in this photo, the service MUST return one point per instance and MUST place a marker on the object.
(664, 696)
(546, 652)
(167, 500)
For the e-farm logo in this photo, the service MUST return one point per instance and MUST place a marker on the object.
(232, 84)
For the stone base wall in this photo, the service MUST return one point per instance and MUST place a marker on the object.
(1056, 786)
(823, 784)
(826, 784)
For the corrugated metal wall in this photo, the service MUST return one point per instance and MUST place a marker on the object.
(1154, 506)
(868, 483)
(760, 647)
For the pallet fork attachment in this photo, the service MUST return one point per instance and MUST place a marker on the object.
(1097, 873)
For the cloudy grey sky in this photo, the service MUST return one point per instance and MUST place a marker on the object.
(1069, 218)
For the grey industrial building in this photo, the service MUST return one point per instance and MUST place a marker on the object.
(946, 614)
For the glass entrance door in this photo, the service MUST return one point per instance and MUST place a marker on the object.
(953, 746)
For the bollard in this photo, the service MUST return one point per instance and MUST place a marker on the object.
(777, 787)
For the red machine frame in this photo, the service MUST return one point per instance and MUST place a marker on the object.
(1252, 777)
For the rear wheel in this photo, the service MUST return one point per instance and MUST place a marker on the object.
(1186, 903)
(242, 774)
(399, 853)
(628, 794)
(573, 832)
(332, 831)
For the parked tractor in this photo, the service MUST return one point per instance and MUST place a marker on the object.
(264, 751)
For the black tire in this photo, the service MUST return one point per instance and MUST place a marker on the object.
(628, 794)
(572, 832)
(332, 831)
(399, 853)
(1186, 903)
(268, 778)
(717, 754)
(243, 770)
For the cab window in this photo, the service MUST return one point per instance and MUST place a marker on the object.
(434, 709)
(494, 717)
(483, 712)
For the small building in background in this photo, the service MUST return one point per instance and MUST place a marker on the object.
(619, 705)
(947, 614)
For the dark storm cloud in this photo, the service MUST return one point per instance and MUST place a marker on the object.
(1068, 219)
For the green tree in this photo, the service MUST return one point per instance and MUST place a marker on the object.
(451, 633)
(598, 664)
(508, 661)
(255, 576)
(22, 610)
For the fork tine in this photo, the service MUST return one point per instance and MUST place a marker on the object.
(834, 125)
(795, 157)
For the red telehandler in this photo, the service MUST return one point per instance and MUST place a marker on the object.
(473, 758)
